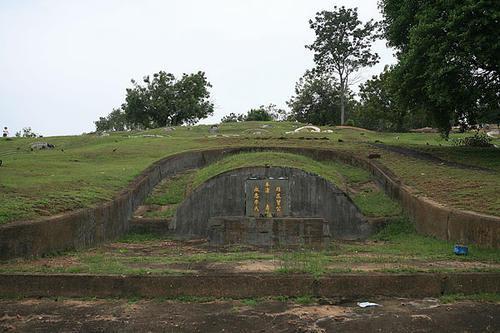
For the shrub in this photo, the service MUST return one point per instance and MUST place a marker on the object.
(349, 122)
(479, 139)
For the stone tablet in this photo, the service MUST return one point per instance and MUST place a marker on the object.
(268, 197)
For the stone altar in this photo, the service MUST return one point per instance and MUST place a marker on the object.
(269, 232)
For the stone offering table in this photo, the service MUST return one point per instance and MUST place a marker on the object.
(268, 232)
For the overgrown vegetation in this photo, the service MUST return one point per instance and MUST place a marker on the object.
(479, 139)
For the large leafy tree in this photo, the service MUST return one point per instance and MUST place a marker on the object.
(316, 100)
(448, 54)
(164, 100)
(115, 121)
(379, 107)
(343, 46)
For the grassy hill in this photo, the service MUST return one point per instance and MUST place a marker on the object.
(88, 169)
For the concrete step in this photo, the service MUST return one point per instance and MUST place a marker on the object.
(151, 225)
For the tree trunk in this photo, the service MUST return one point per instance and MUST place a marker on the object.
(342, 103)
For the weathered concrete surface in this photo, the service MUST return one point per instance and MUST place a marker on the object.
(269, 232)
(310, 196)
(88, 227)
(249, 285)
(151, 225)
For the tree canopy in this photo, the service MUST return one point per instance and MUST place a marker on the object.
(380, 109)
(316, 100)
(448, 52)
(162, 100)
(343, 46)
(115, 121)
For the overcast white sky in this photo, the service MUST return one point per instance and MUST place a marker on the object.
(64, 63)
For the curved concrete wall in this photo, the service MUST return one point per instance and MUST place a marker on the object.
(309, 195)
(88, 227)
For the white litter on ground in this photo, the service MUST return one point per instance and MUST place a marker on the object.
(367, 304)
(308, 128)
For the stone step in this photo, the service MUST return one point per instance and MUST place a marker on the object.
(151, 225)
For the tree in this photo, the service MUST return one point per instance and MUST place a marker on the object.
(161, 101)
(266, 113)
(27, 132)
(232, 118)
(448, 56)
(491, 117)
(316, 100)
(115, 121)
(379, 107)
(343, 46)
(262, 113)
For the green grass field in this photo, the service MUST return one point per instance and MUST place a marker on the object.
(85, 170)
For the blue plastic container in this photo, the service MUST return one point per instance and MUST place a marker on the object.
(461, 250)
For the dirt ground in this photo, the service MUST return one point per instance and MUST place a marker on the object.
(394, 315)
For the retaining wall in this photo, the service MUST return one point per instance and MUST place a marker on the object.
(88, 227)
(249, 285)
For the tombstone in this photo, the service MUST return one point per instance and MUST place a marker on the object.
(41, 145)
(270, 207)
(214, 129)
(268, 221)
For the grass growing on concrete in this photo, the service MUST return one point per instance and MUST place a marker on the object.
(169, 194)
(170, 191)
(399, 238)
(137, 238)
(454, 186)
(370, 199)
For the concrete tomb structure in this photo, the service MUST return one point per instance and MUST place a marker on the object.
(270, 206)
(88, 227)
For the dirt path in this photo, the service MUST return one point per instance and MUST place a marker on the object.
(395, 315)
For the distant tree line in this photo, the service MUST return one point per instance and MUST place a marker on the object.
(263, 113)
(161, 100)
(447, 73)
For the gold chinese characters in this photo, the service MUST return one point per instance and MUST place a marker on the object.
(256, 197)
(278, 199)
